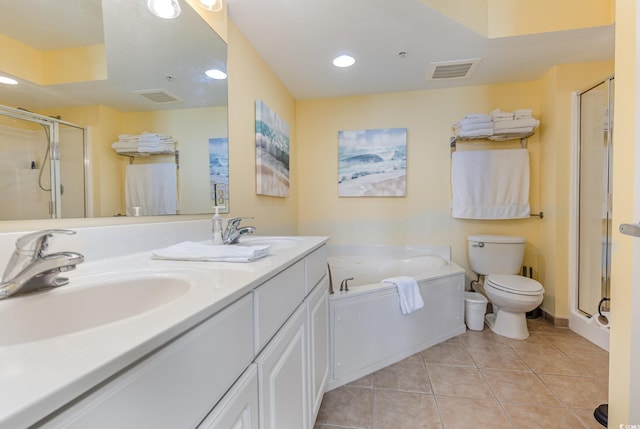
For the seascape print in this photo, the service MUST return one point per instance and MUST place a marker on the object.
(372, 163)
(272, 152)
(219, 170)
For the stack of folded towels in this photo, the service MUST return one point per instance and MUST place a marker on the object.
(474, 125)
(496, 123)
(145, 142)
(516, 122)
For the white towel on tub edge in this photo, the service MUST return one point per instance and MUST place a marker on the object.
(409, 293)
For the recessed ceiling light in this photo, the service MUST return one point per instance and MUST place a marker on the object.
(212, 5)
(216, 74)
(167, 9)
(344, 61)
(8, 80)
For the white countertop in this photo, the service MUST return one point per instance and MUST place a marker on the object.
(38, 377)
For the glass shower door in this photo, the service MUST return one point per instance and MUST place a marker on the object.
(595, 185)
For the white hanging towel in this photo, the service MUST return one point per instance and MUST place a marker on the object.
(153, 187)
(490, 184)
(409, 293)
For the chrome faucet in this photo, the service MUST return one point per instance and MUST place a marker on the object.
(31, 269)
(234, 231)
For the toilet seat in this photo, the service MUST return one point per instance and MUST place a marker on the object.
(518, 285)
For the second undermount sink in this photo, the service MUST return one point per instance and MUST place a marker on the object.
(85, 304)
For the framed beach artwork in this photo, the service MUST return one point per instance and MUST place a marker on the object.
(219, 172)
(272, 152)
(372, 163)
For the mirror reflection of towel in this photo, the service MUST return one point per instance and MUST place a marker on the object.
(490, 184)
(153, 187)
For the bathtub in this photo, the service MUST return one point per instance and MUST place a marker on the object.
(367, 329)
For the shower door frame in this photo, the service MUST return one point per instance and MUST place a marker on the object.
(580, 321)
(55, 203)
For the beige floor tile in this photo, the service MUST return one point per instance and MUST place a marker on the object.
(496, 358)
(575, 344)
(455, 354)
(458, 381)
(533, 416)
(587, 419)
(551, 362)
(542, 325)
(407, 375)
(577, 392)
(347, 406)
(535, 341)
(366, 381)
(520, 387)
(486, 337)
(464, 413)
(405, 410)
(596, 363)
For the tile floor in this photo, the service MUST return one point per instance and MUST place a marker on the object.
(553, 379)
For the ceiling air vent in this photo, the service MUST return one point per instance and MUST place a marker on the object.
(158, 95)
(458, 69)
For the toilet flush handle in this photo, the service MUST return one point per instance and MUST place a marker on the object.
(479, 244)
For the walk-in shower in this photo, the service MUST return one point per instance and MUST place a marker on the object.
(592, 220)
(42, 166)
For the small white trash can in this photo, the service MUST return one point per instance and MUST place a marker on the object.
(475, 305)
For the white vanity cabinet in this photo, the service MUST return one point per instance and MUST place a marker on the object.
(259, 363)
(239, 407)
(176, 386)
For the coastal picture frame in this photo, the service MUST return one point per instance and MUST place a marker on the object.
(219, 172)
(272, 152)
(372, 163)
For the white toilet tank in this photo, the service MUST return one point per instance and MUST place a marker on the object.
(495, 254)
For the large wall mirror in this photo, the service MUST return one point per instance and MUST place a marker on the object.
(91, 73)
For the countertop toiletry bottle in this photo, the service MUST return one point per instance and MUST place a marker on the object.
(217, 228)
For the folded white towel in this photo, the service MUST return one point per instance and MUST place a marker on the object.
(463, 126)
(516, 123)
(190, 251)
(483, 132)
(409, 292)
(476, 117)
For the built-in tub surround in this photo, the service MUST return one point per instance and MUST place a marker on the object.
(41, 374)
(367, 329)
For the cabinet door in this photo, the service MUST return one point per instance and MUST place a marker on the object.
(239, 407)
(282, 375)
(318, 320)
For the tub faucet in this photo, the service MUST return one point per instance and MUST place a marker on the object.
(31, 269)
(234, 231)
(344, 286)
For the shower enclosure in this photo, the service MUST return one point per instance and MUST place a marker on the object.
(593, 217)
(42, 166)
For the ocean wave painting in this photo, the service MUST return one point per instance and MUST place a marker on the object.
(219, 170)
(272, 152)
(372, 163)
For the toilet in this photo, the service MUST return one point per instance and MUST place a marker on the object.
(499, 258)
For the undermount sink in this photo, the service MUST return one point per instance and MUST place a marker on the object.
(85, 304)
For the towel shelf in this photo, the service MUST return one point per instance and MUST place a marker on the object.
(133, 154)
(495, 137)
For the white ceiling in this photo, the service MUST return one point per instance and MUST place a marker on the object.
(299, 39)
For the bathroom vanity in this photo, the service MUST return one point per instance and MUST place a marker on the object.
(232, 345)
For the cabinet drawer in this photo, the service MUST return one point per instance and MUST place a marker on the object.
(315, 268)
(176, 386)
(275, 300)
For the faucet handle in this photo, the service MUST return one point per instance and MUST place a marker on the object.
(36, 243)
(233, 223)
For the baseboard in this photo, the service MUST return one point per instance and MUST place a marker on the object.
(558, 322)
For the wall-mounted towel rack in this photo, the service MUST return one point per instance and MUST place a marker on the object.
(132, 155)
(540, 215)
(495, 137)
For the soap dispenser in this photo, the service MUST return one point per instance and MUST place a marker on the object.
(217, 227)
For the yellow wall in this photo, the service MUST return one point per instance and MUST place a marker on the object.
(250, 79)
(423, 216)
(625, 314)
(558, 87)
(504, 18)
